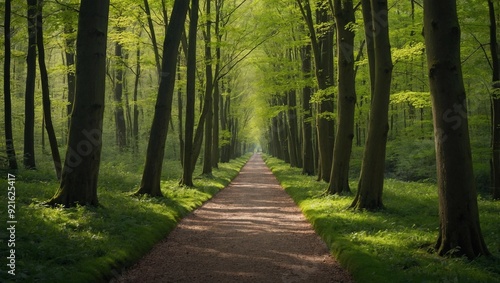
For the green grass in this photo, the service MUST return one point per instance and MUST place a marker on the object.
(92, 244)
(392, 245)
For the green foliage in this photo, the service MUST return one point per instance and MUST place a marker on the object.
(93, 244)
(395, 244)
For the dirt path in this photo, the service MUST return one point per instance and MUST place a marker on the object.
(250, 232)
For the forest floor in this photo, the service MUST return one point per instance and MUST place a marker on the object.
(252, 231)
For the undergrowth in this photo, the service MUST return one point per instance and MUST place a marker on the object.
(95, 244)
(395, 244)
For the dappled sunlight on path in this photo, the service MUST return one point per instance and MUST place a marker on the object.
(250, 232)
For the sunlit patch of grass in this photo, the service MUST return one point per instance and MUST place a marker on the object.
(394, 244)
(92, 244)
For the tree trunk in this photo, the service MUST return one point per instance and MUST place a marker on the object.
(293, 134)
(47, 109)
(29, 104)
(70, 65)
(216, 92)
(150, 183)
(495, 105)
(9, 139)
(207, 158)
(153, 36)
(339, 182)
(322, 47)
(460, 232)
(371, 181)
(135, 123)
(83, 156)
(187, 176)
(120, 127)
(179, 109)
(307, 132)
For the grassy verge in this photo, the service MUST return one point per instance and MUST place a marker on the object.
(95, 244)
(393, 245)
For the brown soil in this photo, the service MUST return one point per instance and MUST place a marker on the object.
(252, 231)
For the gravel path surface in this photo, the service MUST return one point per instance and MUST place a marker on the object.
(252, 231)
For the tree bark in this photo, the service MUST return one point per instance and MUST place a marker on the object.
(460, 232)
(187, 176)
(150, 183)
(339, 181)
(307, 132)
(135, 123)
(29, 98)
(9, 139)
(371, 181)
(83, 156)
(47, 109)
(495, 105)
(207, 156)
(322, 47)
(120, 126)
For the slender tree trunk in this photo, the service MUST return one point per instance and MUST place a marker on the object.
(9, 139)
(207, 158)
(70, 65)
(29, 104)
(293, 133)
(369, 27)
(371, 181)
(135, 123)
(179, 109)
(495, 105)
(216, 92)
(150, 183)
(120, 126)
(322, 47)
(47, 109)
(339, 182)
(83, 156)
(187, 176)
(460, 232)
(153, 36)
(307, 132)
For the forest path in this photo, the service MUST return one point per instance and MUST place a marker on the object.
(251, 231)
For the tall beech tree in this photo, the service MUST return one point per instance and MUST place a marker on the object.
(344, 14)
(188, 168)
(9, 139)
(44, 77)
(150, 183)
(371, 180)
(119, 77)
(209, 87)
(29, 96)
(460, 232)
(308, 160)
(83, 156)
(322, 47)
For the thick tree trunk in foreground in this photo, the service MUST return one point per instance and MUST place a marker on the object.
(495, 105)
(371, 181)
(460, 232)
(83, 156)
(339, 181)
(47, 109)
(9, 140)
(29, 97)
(150, 183)
(187, 176)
